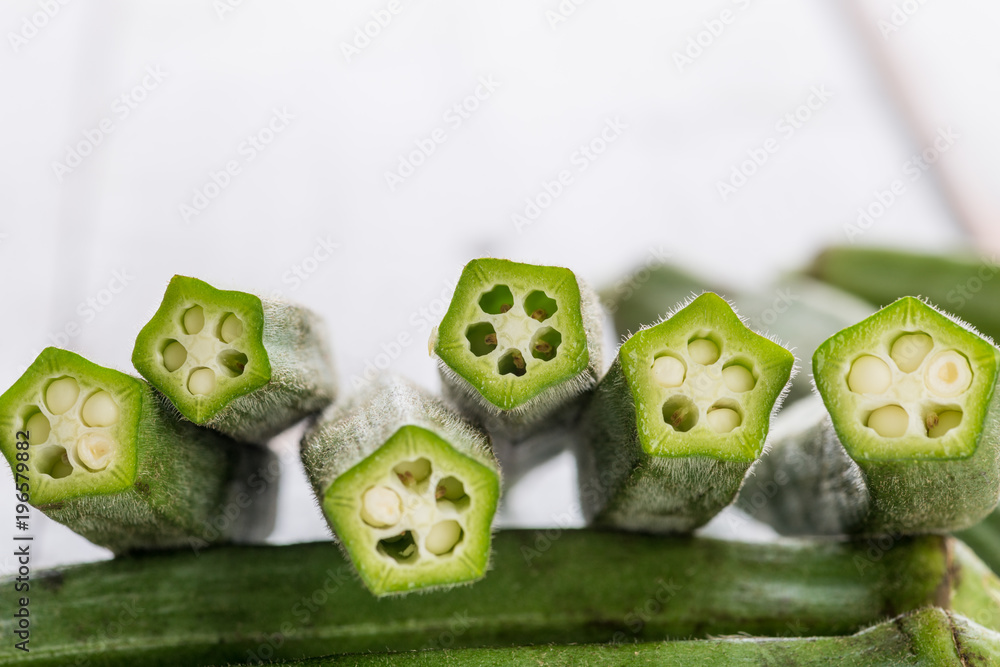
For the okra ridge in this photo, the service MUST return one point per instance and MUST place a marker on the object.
(203, 348)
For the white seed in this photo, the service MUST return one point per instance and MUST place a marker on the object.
(100, 410)
(443, 537)
(738, 379)
(174, 356)
(95, 451)
(61, 395)
(723, 420)
(703, 351)
(890, 421)
(231, 329)
(413, 471)
(38, 428)
(948, 374)
(869, 375)
(944, 422)
(909, 351)
(668, 372)
(194, 320)
(381, 507)
(202, 381)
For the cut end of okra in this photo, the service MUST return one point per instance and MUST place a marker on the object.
(415, 514)
(203, 348)
(703, 383)
(908, 382)
(70, 426)
(513, 330)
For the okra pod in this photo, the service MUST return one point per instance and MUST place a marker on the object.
(519, 346)
(676, 423)
(102, 453)
(238, 604)
(911, 395)
(408, 487)
(245, 366)
(925, 637)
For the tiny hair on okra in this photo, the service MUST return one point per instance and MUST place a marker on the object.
(245, 366)
(676, 423)
(408, 487)
(103, 453)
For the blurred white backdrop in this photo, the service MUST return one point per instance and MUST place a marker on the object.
(269, 147)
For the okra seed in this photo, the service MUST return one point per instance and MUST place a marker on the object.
(890, 421)
(910, 350)
(231, 329)
(95, 451)
(174, 356)
(61, 395)
(54, 462)
(381, 507)
(450, 488)
(410, 472)
(490, 339)
(38, 428)
(497, 301)
(680, 413)
(668, 372)
(939, 424)
(723, 420)
(100, 410)
(703, 351)
(869, 375)
(202, 381)
(539, 315)
(512, 362)
(539, 306)
(545, 343)
(948, 374)
(193, 320)
(738, 379)
(232, 362)
(482, 338)
(443, 537)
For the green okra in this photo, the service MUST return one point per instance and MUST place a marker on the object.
(408, 487)
(519, 346)
(911, 396)
(245, 366)
(678, 420)
(930, 637)
(102, 453)
(238, 604)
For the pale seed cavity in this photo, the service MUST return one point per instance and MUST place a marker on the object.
(95, 451)
(61, 395)
(948, 374)
(193, 320)
(381, 507)
(100, 410)
(869, 375)
(413, 472)
(202, 381)
(703, 351)
(910, 350)
(723, 420)
(890, 421)
(174, 356)
(231, 329)
(38, 428)
(738, 379)
(668, 372)
(940, 423)
(443, 537)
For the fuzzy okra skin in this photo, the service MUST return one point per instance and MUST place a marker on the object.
(676, 423)
(102, 453)
(408, 487)
(237, 604)
(911, 395)
(244, 366)
(519, 346)
(931, 637)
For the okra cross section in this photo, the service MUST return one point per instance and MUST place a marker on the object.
(408, 488)
(518, 343)
(245, 366)
(678, 420)
(100, 452)
(911, 395)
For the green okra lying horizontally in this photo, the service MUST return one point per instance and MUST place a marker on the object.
(678, 420)
(519, 346)
(911, 395)
(930, 637)
(238, 604)
(408, 487)
(245, 366)
(103, 453)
